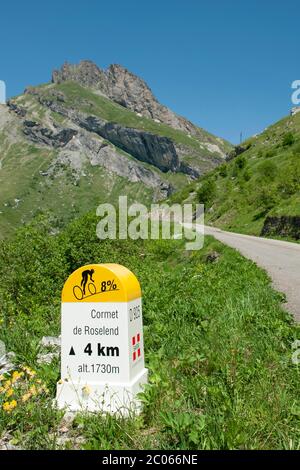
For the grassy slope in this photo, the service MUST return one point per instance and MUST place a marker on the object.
(62, 196)
(89, 102)
(25, 192)
(264, 180)
(217, 344)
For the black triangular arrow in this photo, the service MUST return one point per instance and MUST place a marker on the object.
(72, 352)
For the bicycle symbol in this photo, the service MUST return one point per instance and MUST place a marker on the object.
(78, 291)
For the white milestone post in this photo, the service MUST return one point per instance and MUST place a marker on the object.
(102, 348)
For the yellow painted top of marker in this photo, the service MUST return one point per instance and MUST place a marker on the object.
(101, 283)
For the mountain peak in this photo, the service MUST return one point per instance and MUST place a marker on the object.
(87, 73)
(123, 87)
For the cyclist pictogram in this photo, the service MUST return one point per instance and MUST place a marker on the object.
(80, 291)
(87, 289)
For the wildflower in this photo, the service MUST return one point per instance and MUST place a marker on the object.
(2, 377)
(16, 376)
(28, 371)
(7, 384)
(9, 392)
(26, 397)
(8, 406)
(86, 391)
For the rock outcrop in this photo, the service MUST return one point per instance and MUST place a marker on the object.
(238, 150)
(94, 151)
(42, 135)
(283, 226)
(150, 148)
(144, 146)
(16, 109)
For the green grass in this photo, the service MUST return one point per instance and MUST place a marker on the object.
(218, 345)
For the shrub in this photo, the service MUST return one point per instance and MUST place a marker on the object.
(267, 169)
(289, 180)
(267, 199)
(207, 192)
(260, 153)
(246, 175)
(240, 162)
(223, 170)
(288, 139)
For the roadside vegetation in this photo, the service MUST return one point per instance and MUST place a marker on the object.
(264, 180)
(218, 345)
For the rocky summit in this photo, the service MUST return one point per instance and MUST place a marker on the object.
(123, 87)
(90, 135)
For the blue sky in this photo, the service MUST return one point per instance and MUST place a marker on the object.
(227, 65)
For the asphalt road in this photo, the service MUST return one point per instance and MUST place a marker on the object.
(280, 259)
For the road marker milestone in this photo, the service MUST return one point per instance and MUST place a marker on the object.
(102, 348)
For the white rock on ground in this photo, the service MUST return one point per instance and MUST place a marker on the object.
(7, 363)
(49, 342)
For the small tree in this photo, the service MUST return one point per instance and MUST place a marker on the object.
(240, 162)
(223, 170)
(207, 192)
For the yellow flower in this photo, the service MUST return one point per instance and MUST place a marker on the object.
(86, 390)
(8, 406)
(7, 384)
(30, 372)
(16, 376)
(9, 392)
(26, 397)
(1, 377)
